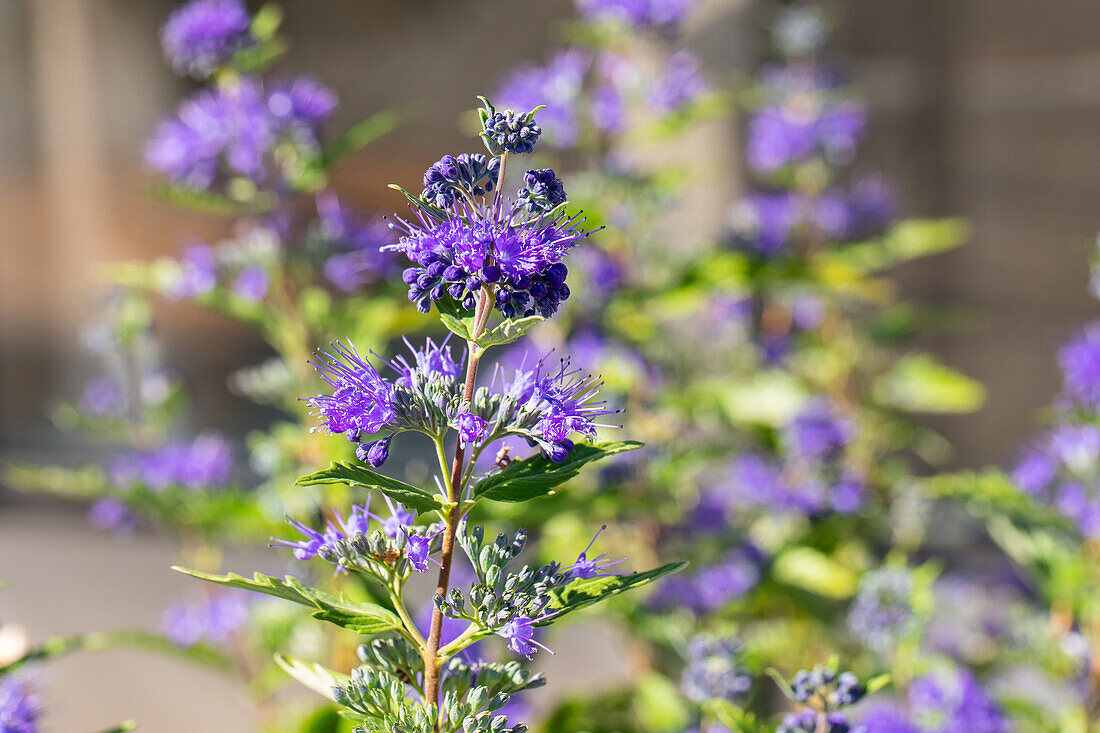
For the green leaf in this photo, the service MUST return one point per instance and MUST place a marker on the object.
(203, 654)
(360, 135)
(266, 21)
(122, 727)
(582, 593)
(314, 676)
(537, 476)
(909, 240)
(660, 704)
(877, 683)
(921, 384)
(806, 568)
(430, 209)
(354, 474)
(198, 200)
(458, 326)
(364, 618)
(505, 333)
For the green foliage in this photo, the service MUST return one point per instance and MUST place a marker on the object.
(358, 616)
(359, 476)
(921, 384)
(582, 593)
(537, 476)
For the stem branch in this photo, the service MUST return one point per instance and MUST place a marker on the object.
(455, 488)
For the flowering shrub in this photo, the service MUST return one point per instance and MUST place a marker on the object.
(765, 364)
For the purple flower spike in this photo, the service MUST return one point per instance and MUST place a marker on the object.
(20, 709)
(399, 518)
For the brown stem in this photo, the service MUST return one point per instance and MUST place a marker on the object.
(435, 631)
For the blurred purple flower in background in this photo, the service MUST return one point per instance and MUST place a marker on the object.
(202, 35)
(661, 14)
(20, 708)
(1080, 363)
(214, 619)
(680, 83)
(251, 284)
(102, 397)
(113, 514)
(198, 272)
(203, 464)
(558, 86)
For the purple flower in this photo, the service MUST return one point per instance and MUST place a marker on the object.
(360, 402)
(357, 242)
(233, 130)
(305, 548)
(764, 223)
(520, 633)
(251, 284)
(102, 398)
(471, 428)
(20, 708)
(884, 718)
(204, 34)
(661, 14)
(558, 86)
(302, 101)
(680, 84)
(487, 245)
(882, 612)
(781, 136)
(713, 587)
(818, 433)
(712, 671)
(376, 452)
(198, 272)
(954, 702)
(203, 464)
(608, 109)
(399, 518)
(807, 722)
(113, 514)
(1080, 363)
(216, 619)
(584, 568)
(418, 549)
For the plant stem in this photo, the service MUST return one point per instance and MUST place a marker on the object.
(455, 488)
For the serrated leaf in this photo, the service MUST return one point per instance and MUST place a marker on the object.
(458, 326)
(430, 209)
(582, 593)
(506, 332)
(316, 677)
(364, 618)
(806, 568)
(921, 384)
(355, 474)
(537, 476)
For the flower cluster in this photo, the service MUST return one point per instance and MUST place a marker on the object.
(951, 701)
(350, 542)
(824, 691)
(712, 587)
(544, 406)
(234, 130)
(770, 224)
(666, 14)
(201, 36)
(513, 604)
(205, 463)
(214, 619)
(1063, 468)
(453, 178)
(542, 191)
(616, 84)
(812, 477)
(350, 244)
(713, 670)
(882, 613)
